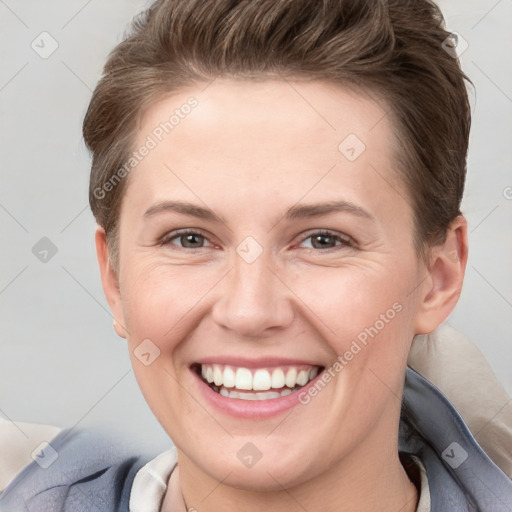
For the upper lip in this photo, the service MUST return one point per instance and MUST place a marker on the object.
(261, 362)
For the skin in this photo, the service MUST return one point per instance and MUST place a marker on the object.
(249, 151)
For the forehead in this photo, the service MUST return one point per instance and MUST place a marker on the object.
(315, 109)
(238, 139)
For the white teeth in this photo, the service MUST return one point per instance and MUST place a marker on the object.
(303, 377)
(291, 377)
(247, 396)
(266, 395)
(269, 395)
(217, 375)
(229, 377)
(243, 379)
(278, 378)
(270, 383)
(261, 380)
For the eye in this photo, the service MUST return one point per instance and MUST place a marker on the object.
(185, 239)
(326, 240)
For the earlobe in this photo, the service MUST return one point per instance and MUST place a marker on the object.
(441, 289)
(110, 282)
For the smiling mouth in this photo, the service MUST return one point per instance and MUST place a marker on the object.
(255, 383)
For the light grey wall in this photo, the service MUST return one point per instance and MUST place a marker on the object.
(60, 361)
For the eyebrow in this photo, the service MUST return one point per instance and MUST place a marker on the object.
(295, 212)
(315, 210)
(184, 208)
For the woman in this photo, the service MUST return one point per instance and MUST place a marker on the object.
(277, 187)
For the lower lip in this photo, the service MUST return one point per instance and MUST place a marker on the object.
(251, 409)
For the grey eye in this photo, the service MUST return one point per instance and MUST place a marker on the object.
(191, 240)
(323, 241)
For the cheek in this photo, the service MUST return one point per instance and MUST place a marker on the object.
(366, 317)
(159, 297)
(350, 301)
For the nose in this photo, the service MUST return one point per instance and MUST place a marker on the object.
(253, 301)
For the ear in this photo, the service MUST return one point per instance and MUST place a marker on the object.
(440, 291)
(110, 282)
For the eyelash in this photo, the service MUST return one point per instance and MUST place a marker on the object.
(345, 241)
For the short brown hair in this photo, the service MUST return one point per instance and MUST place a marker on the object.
(391, 47)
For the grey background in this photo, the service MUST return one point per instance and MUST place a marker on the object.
(60, 361)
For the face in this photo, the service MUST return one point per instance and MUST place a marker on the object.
(266, 246)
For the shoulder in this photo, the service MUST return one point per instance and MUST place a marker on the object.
(454, 365)
(77, 470)
(460, 473)
(18, 441)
